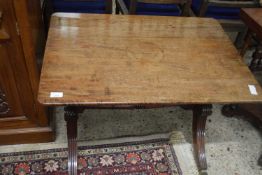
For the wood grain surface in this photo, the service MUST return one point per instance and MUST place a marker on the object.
(142, 60)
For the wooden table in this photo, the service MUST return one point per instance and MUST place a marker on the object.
(252, 17)
(111, 61)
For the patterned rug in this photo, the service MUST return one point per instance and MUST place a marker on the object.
(139, 158)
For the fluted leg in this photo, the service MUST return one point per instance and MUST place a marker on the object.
(200, 113)
(71, 116)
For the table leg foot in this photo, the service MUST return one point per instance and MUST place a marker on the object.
(71, 116)
(200, 113)
(230, 110)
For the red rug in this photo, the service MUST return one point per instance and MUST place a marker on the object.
(140, 158)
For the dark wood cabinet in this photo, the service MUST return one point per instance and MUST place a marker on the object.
(22, 118)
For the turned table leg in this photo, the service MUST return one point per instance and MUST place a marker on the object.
(200, 113)
(71, 116)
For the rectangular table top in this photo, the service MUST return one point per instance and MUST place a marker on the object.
(94, 59)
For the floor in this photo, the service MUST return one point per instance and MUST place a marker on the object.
(233, 146)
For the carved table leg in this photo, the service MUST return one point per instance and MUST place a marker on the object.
(71, 116)
(200, 113)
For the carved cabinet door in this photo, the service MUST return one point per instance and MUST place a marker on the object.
(9, 98)
(22, 118)
(18, 105)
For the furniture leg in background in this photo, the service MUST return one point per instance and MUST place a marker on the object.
(256, 62)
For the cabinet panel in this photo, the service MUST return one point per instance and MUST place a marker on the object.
(9, 99)
(16, 59)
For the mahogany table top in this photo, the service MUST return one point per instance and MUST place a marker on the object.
(94, 59)
(253, 18)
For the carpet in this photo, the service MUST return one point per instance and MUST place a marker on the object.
(133, 158)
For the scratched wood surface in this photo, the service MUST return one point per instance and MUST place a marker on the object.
(112, 60)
